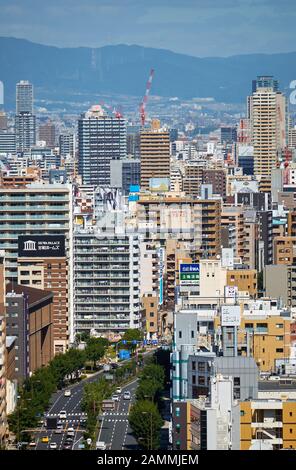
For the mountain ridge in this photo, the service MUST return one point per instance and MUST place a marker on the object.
(123, 69)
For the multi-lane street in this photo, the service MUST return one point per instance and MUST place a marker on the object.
(75, 417)
(115, 430)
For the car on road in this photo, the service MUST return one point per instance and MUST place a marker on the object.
(69, 439)
(115, 397)
(63, 414)
(127, 395)
(118, 390)
(32, 444)
(59, 431)
(100, 445)
(45, 439)
(53, 445)
(67, 393)
(70, 432)
(67, 446)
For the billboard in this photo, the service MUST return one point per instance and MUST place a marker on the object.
(231, 292)
(189, 274)
(161, 254)
(230, 315)
(159, 184)
(124, 354)
(41, 246)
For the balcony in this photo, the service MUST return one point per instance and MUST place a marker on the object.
(268, 424)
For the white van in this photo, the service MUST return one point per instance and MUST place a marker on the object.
(100, 445)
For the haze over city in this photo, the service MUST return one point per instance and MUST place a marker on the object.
(195, 27)
(147, 232)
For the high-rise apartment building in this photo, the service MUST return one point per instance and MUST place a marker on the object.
(7, 142)
(47, 268)
(267, 113)
(101, 138)
(25, 131)
(106, 280)
(24, 97)
(3, 423)
(67, 144)
(155, 155)
(41, 210)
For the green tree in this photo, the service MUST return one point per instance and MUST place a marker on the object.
(95, 349)
(147, 389)
(133, 334)
(146, 422)
(155, 373)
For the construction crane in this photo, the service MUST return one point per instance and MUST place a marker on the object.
(288, 158)
(114, 111)
(145, 99)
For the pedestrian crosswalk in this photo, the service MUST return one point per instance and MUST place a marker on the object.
(48, 415)
(116, 420)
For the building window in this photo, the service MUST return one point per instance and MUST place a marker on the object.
(242, 413)
(193, 365)
(236, 381)
(201, 380)
(180, 334)
(279, 350)
(193, 379)
(201, 367)
(177, 412)
(192, 334)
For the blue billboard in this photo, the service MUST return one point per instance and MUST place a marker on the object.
(189, 274)
(124, 354)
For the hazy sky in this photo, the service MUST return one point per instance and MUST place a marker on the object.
(196, 27)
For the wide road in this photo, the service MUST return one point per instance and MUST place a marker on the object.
(115, 430)
(76, 418)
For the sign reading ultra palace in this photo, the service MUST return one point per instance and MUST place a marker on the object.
(41, 246)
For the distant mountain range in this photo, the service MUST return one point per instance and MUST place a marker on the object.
(66, 72)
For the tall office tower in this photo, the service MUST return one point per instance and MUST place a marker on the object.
(155, 154)
(101, 138)
(37, 212)
(267, 114)
(67, 144)
(3, 121)
(47, 133)
(3, 423)
(24, 97)
(106, 282)
(25, 131)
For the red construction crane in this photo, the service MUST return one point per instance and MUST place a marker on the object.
(288, 159)
(145, 99)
